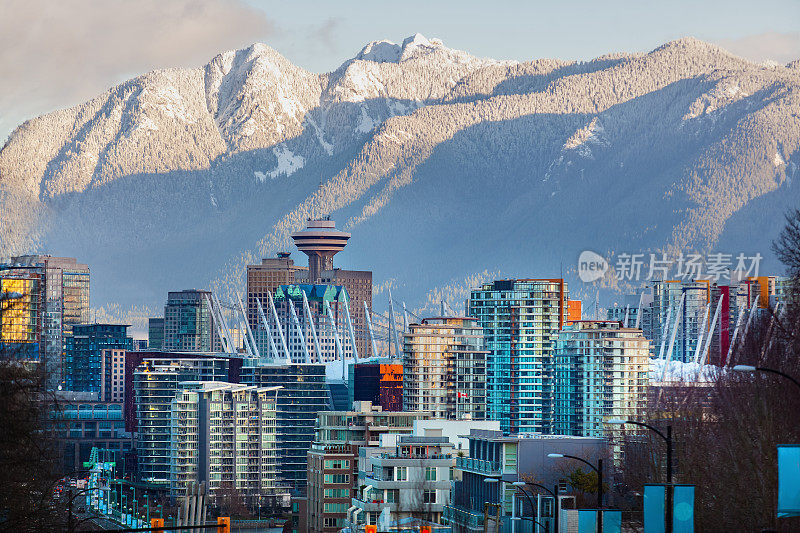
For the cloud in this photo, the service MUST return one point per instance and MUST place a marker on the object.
(327, 33)
(56, 54)
(780, 47)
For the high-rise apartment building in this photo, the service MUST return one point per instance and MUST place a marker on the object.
(85, 365)
(189, 323)
(634, 311)
(601, 372)
(22, 307)
(333, 458)
(266, 278)
(521, 319)
(320, 241)
(701, 320)
(112, 375)
(303, 394)
(444, 368)
(58, 300)
(678, 306)
(224, 434)
(156, 381)
(155, 334)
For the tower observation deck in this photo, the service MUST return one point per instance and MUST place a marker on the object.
(320, 241)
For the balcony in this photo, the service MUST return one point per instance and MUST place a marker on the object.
(453, 515)
(378, 506)
(479, 466)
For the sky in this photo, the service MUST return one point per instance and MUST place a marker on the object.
(58, 54)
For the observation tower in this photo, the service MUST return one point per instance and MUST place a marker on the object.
(320, 241)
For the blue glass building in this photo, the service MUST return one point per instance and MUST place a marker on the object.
(521, 319)
(303, 396)
(85, 370)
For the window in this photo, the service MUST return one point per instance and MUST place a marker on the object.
(401, 473)
(337, 464)
(337, 493)
(335, 507)
(430, 473)
(429, 496)
(337, 478)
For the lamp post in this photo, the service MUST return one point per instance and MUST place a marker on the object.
(667, 438)
(501, 498)
(599, 470)
(748, 368)
(71, 496)
(147, 506)
(519, 486)
(554, 494)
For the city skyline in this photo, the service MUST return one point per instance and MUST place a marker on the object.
(428, 267)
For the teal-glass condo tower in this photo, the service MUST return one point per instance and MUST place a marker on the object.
(521, 319)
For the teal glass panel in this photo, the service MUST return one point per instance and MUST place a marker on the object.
(587, 521)
(788, 480)
(612, 521)
(654, 507)
(683, 509)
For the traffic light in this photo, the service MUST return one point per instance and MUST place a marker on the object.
(223, 524)
(370, 529)
(156, 522)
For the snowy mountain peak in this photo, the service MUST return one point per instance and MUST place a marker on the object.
(380, 52)
(389, 52)
(417, 44)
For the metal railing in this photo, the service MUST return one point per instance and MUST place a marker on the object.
(478, 465)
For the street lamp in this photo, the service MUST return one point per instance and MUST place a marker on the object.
(501, 498)
(71, 496)
(599, 470)
(748, 368)
(667, 438)
(556, 504)
(519, 486)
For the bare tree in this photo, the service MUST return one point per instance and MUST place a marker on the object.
(230, 502)
(28, 452)
(726, 432)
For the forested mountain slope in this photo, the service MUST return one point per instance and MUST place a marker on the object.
(442, 165)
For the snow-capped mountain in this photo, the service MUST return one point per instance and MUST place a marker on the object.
(442, 164)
